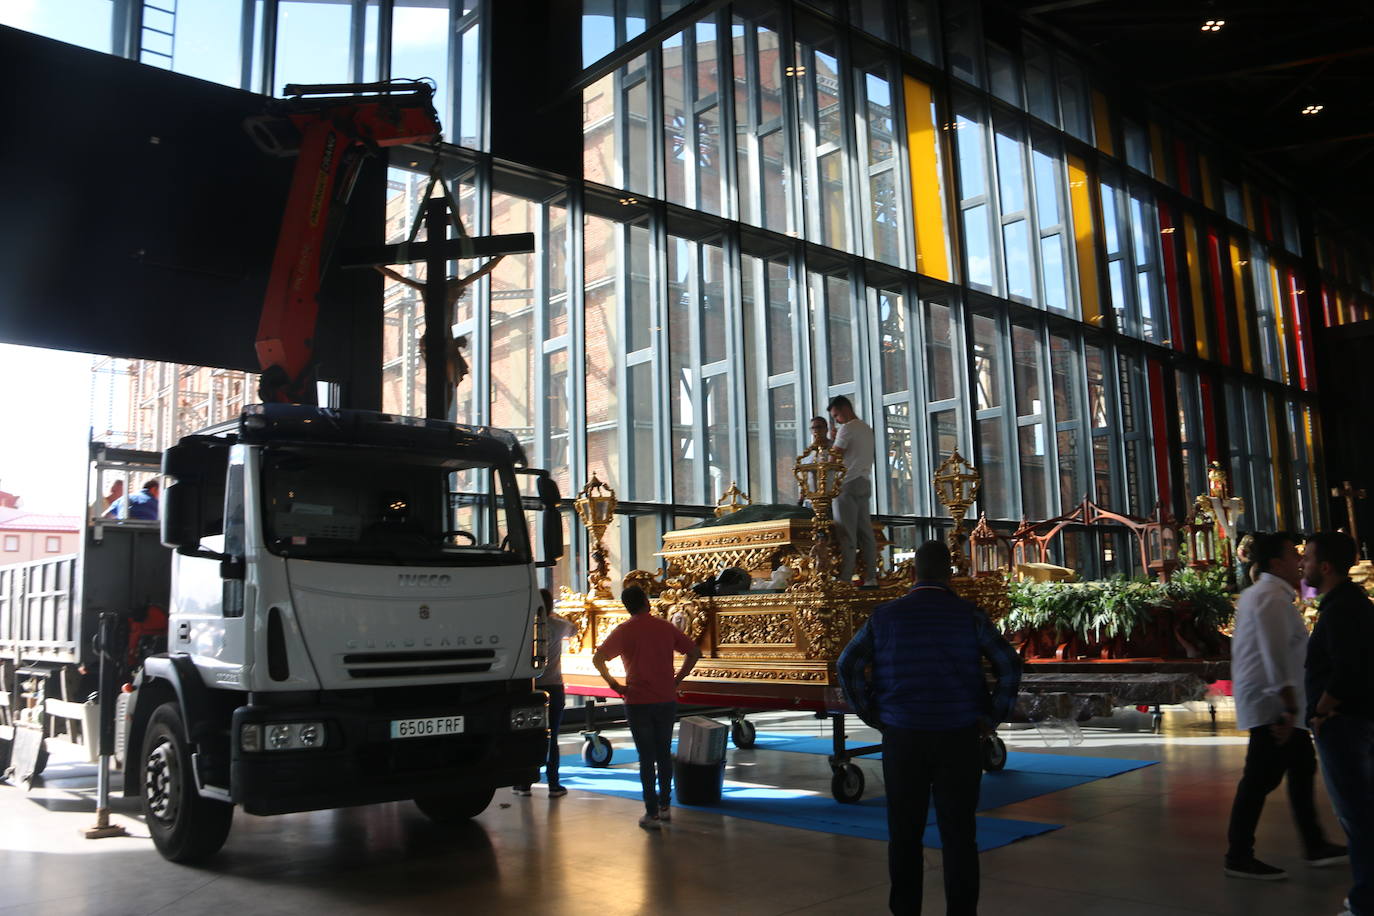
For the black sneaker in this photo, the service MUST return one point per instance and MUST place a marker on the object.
(1328, 854)
(1255, 870)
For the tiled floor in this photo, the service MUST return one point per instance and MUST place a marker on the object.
(1146, 842)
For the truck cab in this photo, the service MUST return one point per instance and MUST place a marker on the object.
(354, 618)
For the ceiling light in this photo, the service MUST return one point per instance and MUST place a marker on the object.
(1312, 109)
(1167, 230)
(627, 201)
(1213, 25)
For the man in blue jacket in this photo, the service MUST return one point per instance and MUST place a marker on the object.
(915, 672)
(1340, 701)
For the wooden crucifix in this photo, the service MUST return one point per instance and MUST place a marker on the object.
(1347, 490)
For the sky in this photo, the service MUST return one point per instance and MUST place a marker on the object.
(45, 395)
(44, 427)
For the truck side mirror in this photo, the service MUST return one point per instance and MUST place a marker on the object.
(553, 521)
(193, 503)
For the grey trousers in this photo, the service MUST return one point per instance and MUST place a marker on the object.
(853, 522)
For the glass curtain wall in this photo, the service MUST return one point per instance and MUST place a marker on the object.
(782, 202)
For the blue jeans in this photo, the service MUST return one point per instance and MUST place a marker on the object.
(1346, 745)
(651, 726)
(557, 698)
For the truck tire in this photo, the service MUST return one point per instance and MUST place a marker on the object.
(184, 826)
(455, 807)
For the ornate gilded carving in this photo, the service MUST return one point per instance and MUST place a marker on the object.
(761, 674)
(819, 624)
(686, 612)
(756, 629)
(581, 621)
(651, 582)
(989, 592)
(732, 501)
(596, 507)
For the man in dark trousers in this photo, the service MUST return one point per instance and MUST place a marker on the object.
(647, 644)
(925, 691)
(1267, 653)
(1340, 701)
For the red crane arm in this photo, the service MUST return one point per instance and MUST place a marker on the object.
(335, 133)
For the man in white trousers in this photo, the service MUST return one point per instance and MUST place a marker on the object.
(853, 439)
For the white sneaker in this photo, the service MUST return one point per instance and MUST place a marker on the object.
(649, 822)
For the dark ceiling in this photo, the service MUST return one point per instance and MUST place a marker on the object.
(1249, 81)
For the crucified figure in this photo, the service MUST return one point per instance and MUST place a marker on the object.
(457, 366)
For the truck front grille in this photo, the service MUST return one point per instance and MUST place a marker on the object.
(418, 664)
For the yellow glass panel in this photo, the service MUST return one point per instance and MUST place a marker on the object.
(1195, 282)
(1282, 474)
(1205, 172)
(1280, 332)
(1080, 198)
(1161, 164)
(1312, 437)
(1243, 312)
(1102, 123)
(927, 190)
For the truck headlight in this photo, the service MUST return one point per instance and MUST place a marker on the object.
(528, 717)
(282, 736)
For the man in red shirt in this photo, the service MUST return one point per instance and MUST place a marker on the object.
(647, 644)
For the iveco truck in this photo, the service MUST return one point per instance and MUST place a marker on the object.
(353, 618)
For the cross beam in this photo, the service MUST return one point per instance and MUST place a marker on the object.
(455, 249)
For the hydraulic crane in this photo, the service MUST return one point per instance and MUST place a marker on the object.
(330, 128)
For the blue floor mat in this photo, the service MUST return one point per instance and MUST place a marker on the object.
(1026, 776)
(798, 809)
(1059, 764)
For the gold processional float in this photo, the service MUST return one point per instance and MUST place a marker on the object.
(775, 645)
(765, 648)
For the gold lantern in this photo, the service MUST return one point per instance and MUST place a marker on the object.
(596, 507)
(820, 473)
(985, 548)
(956, 487)
(1200, 534)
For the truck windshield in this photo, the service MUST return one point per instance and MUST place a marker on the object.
(391, 508)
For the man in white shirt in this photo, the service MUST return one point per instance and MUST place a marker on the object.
(1268, 653)
(853, 523)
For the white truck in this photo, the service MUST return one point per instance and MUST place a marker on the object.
(353, 618)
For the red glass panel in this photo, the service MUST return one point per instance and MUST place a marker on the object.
(1159, 421)
(1167, 231)
(1219, 309)
(1209, 418)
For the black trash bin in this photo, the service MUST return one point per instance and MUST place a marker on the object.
(698, 783)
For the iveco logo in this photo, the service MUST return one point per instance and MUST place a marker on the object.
(416, 580)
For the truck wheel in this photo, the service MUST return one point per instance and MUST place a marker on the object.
(450, 809)
(185, 827)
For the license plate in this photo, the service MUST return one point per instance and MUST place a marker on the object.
(426, 728)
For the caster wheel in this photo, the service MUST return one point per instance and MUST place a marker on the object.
(742, 733)
(994, 754)
(596, 752)
(847, 785)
